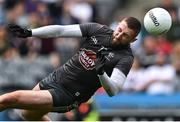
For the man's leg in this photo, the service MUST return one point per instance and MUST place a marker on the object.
(35, 115)
(36, 102)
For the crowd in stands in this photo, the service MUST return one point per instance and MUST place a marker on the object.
(24, 62)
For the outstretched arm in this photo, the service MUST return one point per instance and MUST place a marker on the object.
(57, 31)
(47, 31)
(113, 84)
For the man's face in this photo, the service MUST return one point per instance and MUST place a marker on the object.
(123, 35)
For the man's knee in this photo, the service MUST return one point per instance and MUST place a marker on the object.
(25, 115)
(32, 115)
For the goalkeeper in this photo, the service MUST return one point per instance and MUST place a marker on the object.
(104, 59)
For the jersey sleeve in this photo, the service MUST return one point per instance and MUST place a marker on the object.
(125, 64)
(90, 29)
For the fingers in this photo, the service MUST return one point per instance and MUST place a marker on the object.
(19, 31)
(103, 59)
(99, 54)
(15, 28)
(100, 57)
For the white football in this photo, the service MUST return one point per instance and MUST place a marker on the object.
(157, 21)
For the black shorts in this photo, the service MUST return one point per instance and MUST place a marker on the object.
(62, 99)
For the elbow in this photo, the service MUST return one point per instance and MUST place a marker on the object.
(112, 93)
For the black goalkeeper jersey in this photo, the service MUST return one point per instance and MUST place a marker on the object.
(80, 77)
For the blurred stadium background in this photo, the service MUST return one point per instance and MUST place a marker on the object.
(151, 91)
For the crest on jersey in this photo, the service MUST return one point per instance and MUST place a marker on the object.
(87, 59)
(109, 56)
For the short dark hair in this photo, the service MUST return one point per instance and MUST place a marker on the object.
(133, 24)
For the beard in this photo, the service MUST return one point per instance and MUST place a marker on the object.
(117, 45)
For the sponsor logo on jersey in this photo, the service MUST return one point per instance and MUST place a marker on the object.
(94, 39)
(87, 59)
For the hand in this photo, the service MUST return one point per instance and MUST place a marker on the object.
(19, 31)
(99, 63)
